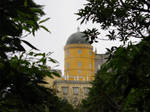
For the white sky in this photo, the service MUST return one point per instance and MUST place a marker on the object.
(62, 24)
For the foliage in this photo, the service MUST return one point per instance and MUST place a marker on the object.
(22, 73)
(18, 16)
(61, 106)
(123, 83)
(122, 19)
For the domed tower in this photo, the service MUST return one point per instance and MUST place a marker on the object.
(79, 58)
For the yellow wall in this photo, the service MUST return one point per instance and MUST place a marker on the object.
(81, 85)
(79, 65)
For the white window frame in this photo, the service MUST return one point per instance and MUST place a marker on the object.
(86, 90)
(75, 90)
(65, 90)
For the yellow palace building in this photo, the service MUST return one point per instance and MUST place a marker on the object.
(80, 66)
(79, 59)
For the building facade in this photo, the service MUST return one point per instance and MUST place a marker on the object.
(80, 65)
(79, 59)
(72, 90)
(100, 59)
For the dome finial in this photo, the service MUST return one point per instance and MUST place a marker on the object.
(78, 29)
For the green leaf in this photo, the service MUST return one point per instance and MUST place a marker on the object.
(25, 3)
(43, 60)
(52, 60)
(18, 45)
(30, 45)
(44, 28)
(38, 54)
(27, 29)
(21, 55)
(31, 53)
(44, 20)
(55, 73)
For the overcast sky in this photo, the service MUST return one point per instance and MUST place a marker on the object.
(62, 24)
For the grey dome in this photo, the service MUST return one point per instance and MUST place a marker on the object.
(77, 38)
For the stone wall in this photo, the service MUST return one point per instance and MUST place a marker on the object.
(99, 60)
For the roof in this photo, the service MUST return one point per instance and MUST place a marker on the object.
(77, 38)
(71, 82)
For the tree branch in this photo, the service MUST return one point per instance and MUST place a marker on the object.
(139, 9)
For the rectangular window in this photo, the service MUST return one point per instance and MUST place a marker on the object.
(79, 71)
(86, 90)
(75, 90)
(79, 64)
(67, 65)
(90, 53)
(90, 65)
(99, 66)
(65, 90)
(79, 51)
(67, 52)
